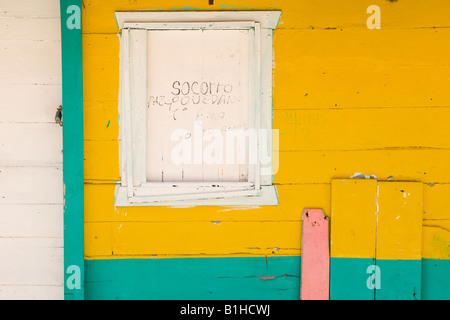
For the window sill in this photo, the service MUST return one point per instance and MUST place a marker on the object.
(268, 197)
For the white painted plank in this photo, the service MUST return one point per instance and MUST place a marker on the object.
(29, 102)
(36, 29)
(29, 8)
(43, 292)
(138, 83)
(31, 185)
(30, 144)
(31, 220)
(30, 62)
(31, 261)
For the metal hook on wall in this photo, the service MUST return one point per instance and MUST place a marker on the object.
(58, 116)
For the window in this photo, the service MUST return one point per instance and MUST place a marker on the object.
(196, 108)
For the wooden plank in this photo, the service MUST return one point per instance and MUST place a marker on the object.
(353, 218)
(31, 261)
(315, 263)
(41, 67)
(302, 130)
(399, 241)
(31, 292)
(305, 15)
(246, 278)
(29, 102)
(350, 86)
(26, 192)
(429, 165)
(399, 228)
(100, 207)
(101, 163)
(401, 47)
(36, 29)
(352, 238)
(31, 144)
(201, 239)
(30, 9)
(35, 220)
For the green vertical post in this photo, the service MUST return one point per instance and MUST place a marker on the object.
(72, 101)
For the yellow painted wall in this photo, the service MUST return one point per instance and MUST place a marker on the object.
(346, 99)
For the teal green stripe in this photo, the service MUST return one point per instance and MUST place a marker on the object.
(435, 279)
(348, 279)
(255, 278)
(242, 278)
(399, 280)
(72, 101)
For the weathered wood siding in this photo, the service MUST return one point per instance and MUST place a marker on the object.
(31, 186)
(347, 101)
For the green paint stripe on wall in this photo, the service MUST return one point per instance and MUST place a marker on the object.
(399, 280)
(435, 279)
(253, 278)
(348, 279)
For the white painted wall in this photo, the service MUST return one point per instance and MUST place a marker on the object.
(31, 185)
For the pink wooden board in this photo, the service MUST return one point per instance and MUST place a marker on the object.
(315, 260)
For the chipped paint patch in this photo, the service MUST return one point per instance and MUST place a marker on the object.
(267, 278)
(359, 175)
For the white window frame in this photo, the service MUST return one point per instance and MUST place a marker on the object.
(133, 189)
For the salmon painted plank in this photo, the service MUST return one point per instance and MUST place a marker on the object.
(315, 263)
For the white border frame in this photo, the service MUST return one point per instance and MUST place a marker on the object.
(134, 190)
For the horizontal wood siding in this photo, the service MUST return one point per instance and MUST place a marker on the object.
(31, 187)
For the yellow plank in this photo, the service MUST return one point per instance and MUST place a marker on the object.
(321, 129)
(187, 239)
(362, 129)
(98, 15)
(369, 86)
(353, 218)
(361, 48)
(99, 206)
(436, 239)
(416, 164)
(399, 227)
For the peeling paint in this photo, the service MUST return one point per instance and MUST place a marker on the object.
(267, 278)
(359, 175)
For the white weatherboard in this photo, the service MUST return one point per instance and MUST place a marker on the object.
(188, 89)
(31, 173)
